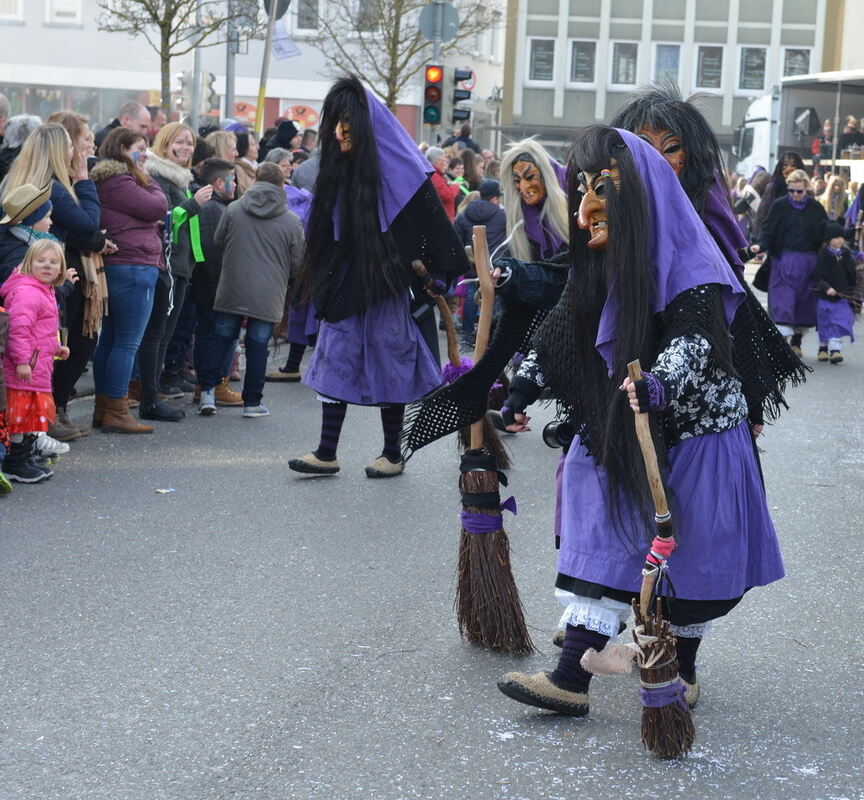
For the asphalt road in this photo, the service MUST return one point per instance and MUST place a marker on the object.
(253, 634)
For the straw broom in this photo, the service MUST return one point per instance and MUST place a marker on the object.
(667, 724)
(488, 608)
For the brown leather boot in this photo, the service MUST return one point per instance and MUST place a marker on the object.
(133, 394)
(117, 418)
(226, 396)
(98, 410)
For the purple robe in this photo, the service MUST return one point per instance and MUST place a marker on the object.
(727, 540)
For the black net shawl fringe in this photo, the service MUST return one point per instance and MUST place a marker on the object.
(764, 360)
(422, 231)
(532, 289)
(449, 408)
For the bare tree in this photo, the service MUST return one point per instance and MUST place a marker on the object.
(169, 26)
(379, 40)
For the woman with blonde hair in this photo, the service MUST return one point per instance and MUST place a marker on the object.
(169, 162)
(792, 235)
(834, 199)
(535, 202)
(224, 143)
(47, 157)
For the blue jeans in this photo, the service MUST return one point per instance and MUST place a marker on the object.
(226, 330)
(205, 342)
(130, 292)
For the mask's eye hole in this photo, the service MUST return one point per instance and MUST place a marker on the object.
(600, 188)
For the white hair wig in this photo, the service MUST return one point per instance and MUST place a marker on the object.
(554, 211)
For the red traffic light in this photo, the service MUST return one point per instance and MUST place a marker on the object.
(434, 74)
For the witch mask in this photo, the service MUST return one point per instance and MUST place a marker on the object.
(591, 214)
(528, 181)
(669, 145)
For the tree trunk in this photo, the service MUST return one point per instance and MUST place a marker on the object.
(165, 64)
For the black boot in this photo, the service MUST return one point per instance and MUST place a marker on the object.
(17, 465)
(160, 411)
(36, 458)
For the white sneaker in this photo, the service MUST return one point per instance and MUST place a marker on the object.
(49, 445)
(207, 406)
(249, 412)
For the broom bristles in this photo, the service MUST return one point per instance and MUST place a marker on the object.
(487, 603)
(668, 731)
(488, 608)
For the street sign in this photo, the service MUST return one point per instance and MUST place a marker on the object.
(471, 82)
(449, 22)
(281, 7)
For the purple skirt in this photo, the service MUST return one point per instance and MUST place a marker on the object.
(791, 299)
(302, 325)
(726, 540)
(834, 320)
(376, 357)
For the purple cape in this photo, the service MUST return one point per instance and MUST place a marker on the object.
(720, 221)
(402, 167)
(300, 202)
(545, 238)
(683, 253)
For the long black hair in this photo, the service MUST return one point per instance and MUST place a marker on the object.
(349, 180)
(661, 107)
(577, 374)
(777, 179)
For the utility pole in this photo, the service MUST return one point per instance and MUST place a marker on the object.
(196, 73)
(265, 67)
(231, 51)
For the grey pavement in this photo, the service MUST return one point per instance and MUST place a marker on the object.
(254, 634)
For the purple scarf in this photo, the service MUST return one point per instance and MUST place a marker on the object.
(402, 167)
(721, 223)
(537, 233)
(684, 254)
(799, 204)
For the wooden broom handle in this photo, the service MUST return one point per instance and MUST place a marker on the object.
(483, 266)
(655, 482)
(649, 454)
(446, 317)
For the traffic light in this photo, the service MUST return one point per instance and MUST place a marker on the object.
(184, 101)
(433, 95)
(211, 99)
(461, 95)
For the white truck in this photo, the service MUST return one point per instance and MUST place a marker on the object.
(791, 117)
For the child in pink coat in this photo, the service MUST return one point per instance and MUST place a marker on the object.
(28, 361)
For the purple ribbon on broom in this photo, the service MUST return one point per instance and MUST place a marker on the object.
(473, 522)
(664, 695)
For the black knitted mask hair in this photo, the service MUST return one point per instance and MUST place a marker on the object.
(660, 107)
(351, 181)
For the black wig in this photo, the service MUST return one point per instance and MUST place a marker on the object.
(349, 180)
(777, 179)
(576, 373)
(660, 107)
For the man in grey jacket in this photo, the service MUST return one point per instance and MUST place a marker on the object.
(262, 244)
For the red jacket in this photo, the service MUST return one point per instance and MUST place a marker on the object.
(447, 192)
(33, 325)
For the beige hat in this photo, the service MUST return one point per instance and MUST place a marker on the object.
(23, 201)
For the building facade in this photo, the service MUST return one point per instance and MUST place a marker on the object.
(574, 62)
(54, 56)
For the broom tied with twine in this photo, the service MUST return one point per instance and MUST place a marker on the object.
(667, 724)
(488, 608)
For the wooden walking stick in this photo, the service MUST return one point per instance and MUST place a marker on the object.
(667, 725)
(488, 607)
(457, 365)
